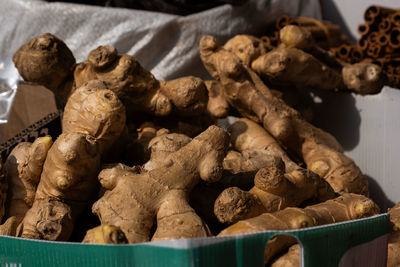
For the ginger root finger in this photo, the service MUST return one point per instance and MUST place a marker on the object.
(301, 38)
(289, 259)
(393, 259)
(23, 166)
(246, 47)
(162, 146)
(94, 110)
(248, 94)
(217, 105)
(162, 193)
(395, 217)
(46, 60)
(9, 227)
(105, 234)
(394, 237)
(68, 182)
(362, 78)
(294, 66)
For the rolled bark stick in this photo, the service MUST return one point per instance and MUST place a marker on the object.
(268, 43)
(385, 25)
(395, 18)
(363, 29)
(362, 43)
(357, 54)
(373, 11)
(282, 21)
(374, 51)
(383, 39)
(395, 38)
(372, 38)
(344, 50)
(390, 70)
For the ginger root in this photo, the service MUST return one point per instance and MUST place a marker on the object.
(23, 167)
(162, 146)
(46, 60)
(68, 182)
(393, 259)
(394, 237)
(134, 200)
(217, 105)
(362, 78)
(246, 47)
(294, 66)
(248, 94)
(105, 234)
(278, 184)
(289, 259)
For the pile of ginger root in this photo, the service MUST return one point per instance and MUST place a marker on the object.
(141, 159)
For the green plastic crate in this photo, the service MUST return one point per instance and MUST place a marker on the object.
(322, 246)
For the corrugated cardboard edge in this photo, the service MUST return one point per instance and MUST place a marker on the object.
(35, 130)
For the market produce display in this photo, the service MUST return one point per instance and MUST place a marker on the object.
(159, 160)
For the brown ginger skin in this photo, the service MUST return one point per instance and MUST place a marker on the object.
(105, 234)
(247, 161)
(238, 174)
(133, 200)
(246, 47)
(138, 151)
(289, 259)
(393, 259)
(95, 110)
(46, 60)
(23, 166)
(68, 182)
(217, 105)
(278, 184)
(248, 94)
(162, 145)
(137, 87)
(362, 78)
(300, 38)
(395, 217)
(294, 66)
